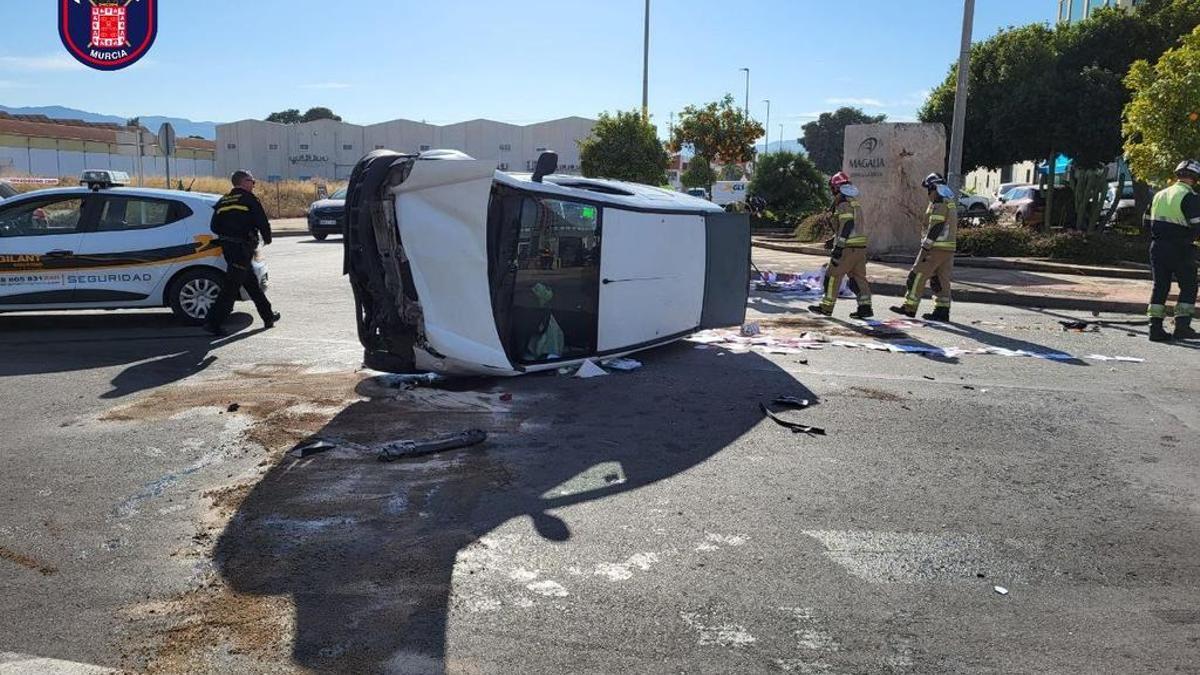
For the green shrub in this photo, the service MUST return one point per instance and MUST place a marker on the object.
(816, 227)
(1099, 248)
(995, 240)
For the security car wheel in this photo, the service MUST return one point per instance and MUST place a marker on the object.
(320, 237)
(194, 293)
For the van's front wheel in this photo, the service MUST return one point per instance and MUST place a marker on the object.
(193, 294)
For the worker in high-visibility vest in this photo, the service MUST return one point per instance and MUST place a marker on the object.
(849, 251)
(1174, 223)
(936, 260)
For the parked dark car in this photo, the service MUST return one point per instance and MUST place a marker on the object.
(327, 216)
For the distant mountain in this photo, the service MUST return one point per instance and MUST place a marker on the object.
(183, 127)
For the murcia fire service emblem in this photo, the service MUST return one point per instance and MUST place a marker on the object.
(108, 34)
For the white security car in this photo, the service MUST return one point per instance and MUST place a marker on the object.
(107, 247)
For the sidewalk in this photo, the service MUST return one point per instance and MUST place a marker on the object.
(994, 286)
(1133, 271)
(289, 227)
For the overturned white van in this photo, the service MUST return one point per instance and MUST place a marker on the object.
(464, 270)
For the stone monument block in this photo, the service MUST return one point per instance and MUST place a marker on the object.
(888, 162)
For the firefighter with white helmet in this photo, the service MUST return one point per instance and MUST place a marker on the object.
(1174, 223)
(849, 250)
(936, 260)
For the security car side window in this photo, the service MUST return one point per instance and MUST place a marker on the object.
(118, 214)
(53, 215)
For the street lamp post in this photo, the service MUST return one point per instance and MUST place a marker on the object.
(954, 171)
(746, 109)
(646, 67)
(767, 128)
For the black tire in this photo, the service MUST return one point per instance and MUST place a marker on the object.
(193, 293)
(977, 211)
(321, 237)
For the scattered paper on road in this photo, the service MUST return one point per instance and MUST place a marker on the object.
(625, 364)
(590, 369)
(765, 343)
(807, 286)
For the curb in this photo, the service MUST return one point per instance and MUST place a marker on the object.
(1022, 300)
(983, 263)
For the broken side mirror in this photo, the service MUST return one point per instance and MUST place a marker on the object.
(547, 163)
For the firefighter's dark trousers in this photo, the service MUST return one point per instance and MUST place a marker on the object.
(1172, 260)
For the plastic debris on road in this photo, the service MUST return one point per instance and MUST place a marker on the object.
(624, 364)
(792, 402)
(796, 427)
(395, 450)
(392, 381)
(590, 369)
(1000, 589)
(312, 446)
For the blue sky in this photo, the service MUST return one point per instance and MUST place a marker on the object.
(520, 62)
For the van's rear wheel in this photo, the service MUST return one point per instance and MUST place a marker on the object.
(194, 293)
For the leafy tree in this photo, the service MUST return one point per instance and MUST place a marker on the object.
(790, 184)
(718, 130)
(133, 122)
(824, 138)
(699, 173)
(1038, 91)
(289, 116)
(732, 172)
(624, 146)
(1162, 120)
(319, 113)
(293, 116)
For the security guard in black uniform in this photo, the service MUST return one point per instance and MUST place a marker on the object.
(238, 221)
(1174, 222)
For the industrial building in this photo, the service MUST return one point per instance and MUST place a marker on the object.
(1072, 11)
(330, 149)
(35, 145)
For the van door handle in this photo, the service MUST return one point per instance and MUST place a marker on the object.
(619, 281)
(59, 253)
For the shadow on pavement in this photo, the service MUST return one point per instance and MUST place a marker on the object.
(1004, 342)
(159, 349)
(367, 551)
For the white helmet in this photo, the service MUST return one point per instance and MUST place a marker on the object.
(1188, 166)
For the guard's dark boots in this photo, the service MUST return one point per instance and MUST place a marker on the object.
(1183, 329)
(902, 310)
(817, 309)
(269, 321)
(938, 314)
(1157, 334)
(863, 312)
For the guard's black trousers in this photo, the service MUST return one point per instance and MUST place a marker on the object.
(1173, 261)
(238, 275)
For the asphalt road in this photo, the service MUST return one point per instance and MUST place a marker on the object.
(650, 521)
